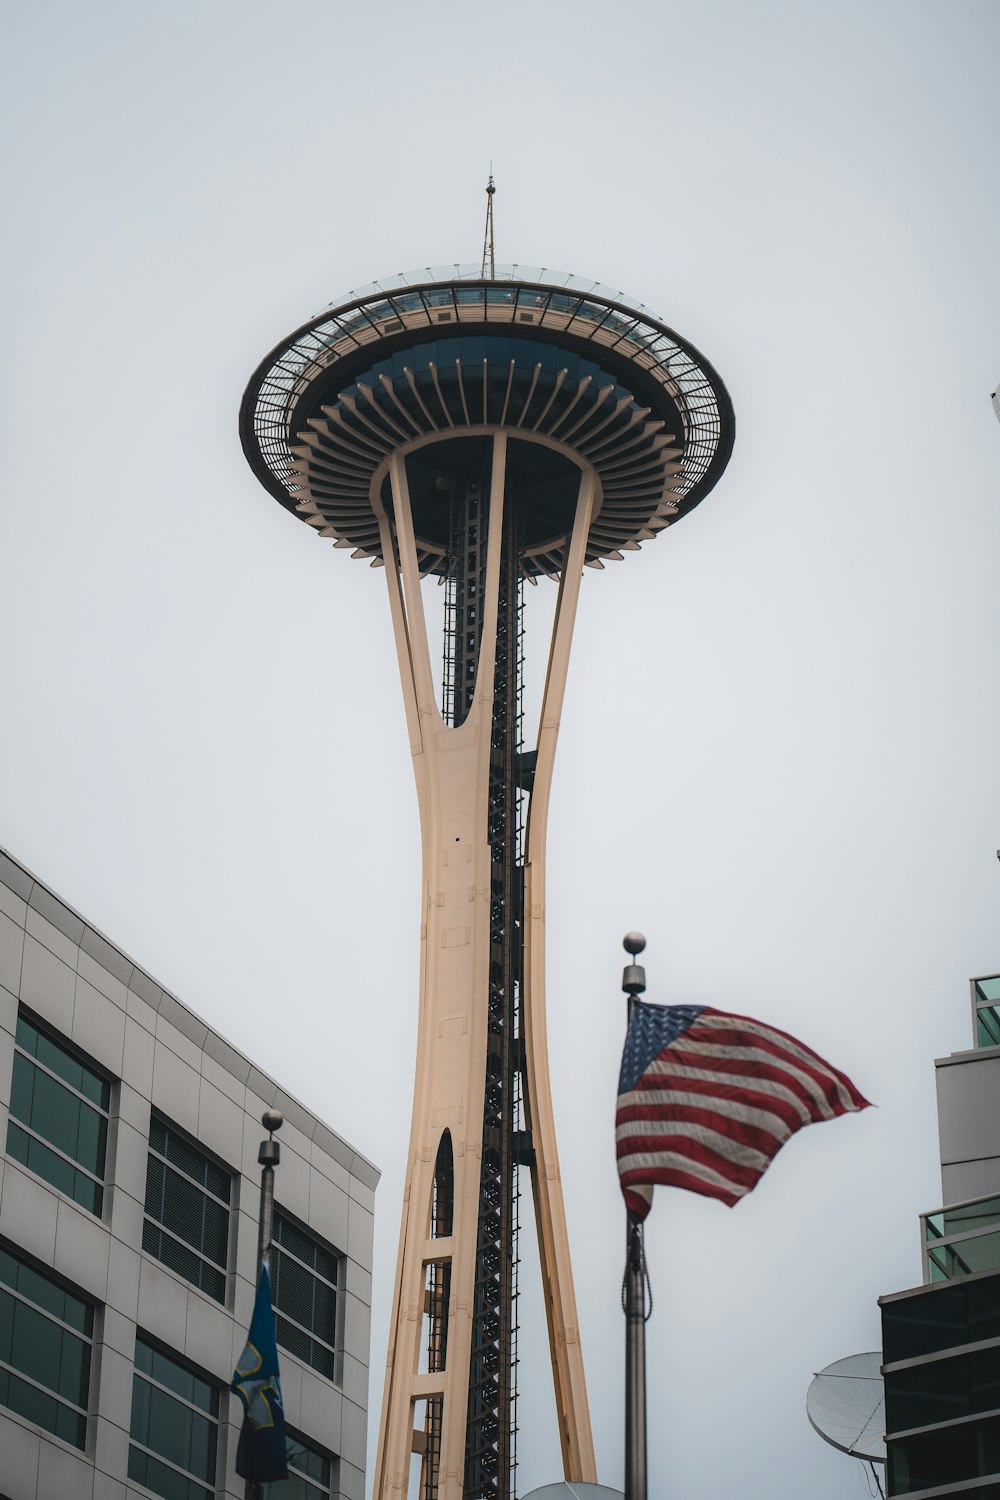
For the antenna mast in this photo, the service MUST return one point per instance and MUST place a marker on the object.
(488, 255)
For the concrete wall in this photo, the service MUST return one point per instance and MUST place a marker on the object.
(968, 1097)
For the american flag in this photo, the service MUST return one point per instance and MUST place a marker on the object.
(707, 1099)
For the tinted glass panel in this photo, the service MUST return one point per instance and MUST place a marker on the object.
(187, 1227)
(309, 1473)
(943, 1457)
(176, 1452)
(967, 1312)
(44, 1365)
(53, 1131)
(303, 1292)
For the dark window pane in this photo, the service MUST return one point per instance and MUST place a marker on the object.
(41, 1349)
(183, 1208)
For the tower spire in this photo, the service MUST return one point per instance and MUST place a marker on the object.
(489, 259)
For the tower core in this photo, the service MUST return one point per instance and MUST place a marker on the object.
(489, 432)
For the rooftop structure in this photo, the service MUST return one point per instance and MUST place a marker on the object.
(487, 431)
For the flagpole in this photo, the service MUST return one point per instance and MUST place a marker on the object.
(269, 1155)
(634, 1298)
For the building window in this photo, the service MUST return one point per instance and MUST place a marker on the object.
(304, 1275)
(187, 1210)
(175, 1427)
(46, 1337)
(58, 1123)
(309, 1473)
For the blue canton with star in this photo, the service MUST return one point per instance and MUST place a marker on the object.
(650, 1029)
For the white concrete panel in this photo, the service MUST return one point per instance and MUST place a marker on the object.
(291, 1184)
(6, 1067)
(220, 1125)
(12, 905)
(180, 1045)
(116, 1390)
(123, 1279)
(221, 1078)
(8, 1010)
(363, 1194)
(353, 1434)
(970, 1179)
(137, 1058)
(11, 950)
(176, 1087)
(28, 1213)
(82, 1246)
(354, 1380)
(48, 985)
(20, 1448)
(111, 1449)
(126, 1217)
(291, 1391)
(246, 1242)
(208, 1338)
(967, 1092)
(131, 1155)
(64, 1474)
(330, 1169)
(357, 1327)
(106, 1488)
(118, 1333)
(358, 1281)
(253, 1134)
(321, 1411)
(144, 1015)
(133, 1106)
(162, 1304)
(329, 1209)
(360, 1228)
(51, 938)
(98, 1027)
(97, 975)
(352, 1482)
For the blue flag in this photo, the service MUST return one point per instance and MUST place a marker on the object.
(261, 1455)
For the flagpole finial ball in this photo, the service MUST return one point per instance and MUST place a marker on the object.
(272, 1120)
(633, 942)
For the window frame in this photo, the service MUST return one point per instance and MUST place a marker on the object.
(232, 1207)
(215, 1417)
(335, 1348)
(89, 1339)
(293, 1438)
(71, 1050)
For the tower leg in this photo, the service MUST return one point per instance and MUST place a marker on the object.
(435, 1379)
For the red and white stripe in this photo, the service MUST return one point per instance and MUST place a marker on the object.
(714, 1108)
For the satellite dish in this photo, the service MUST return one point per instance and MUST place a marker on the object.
(575, 1490)
(846, 1405)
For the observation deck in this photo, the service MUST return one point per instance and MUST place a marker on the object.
(437, 361)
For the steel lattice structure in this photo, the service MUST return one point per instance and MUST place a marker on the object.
(488, 432)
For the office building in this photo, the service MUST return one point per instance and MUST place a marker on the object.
(941, 1340)
(129, 1197)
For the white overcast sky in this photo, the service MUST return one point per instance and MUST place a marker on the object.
(779, 752)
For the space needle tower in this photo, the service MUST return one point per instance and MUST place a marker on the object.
(489, 428)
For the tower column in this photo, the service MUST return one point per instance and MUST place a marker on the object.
(452, 766)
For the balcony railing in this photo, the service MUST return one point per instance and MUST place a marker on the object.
(986, 1010)
(961, 1239)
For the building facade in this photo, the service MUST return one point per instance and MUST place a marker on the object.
(941, 1341)
(129, 1198)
